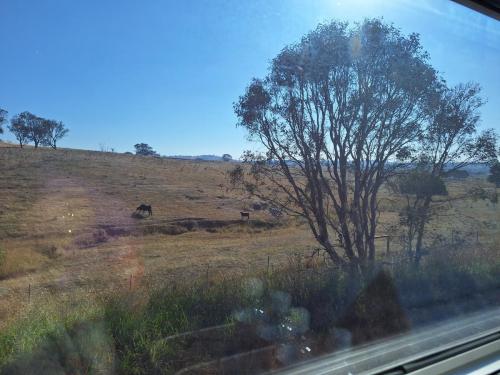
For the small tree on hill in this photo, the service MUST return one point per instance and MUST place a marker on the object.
(227, 157)
(55, 130)
(144, 149)
(36, 127)
(3, 119)
(19, 128)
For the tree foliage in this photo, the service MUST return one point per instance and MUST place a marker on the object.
(144, 149)
(451, 140)
(28, 127)
(332, 113)
(19, 128)
(55, 130)
(36, 126)
(421, 183)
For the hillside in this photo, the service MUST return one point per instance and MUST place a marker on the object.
(67, 228)
(66, 223)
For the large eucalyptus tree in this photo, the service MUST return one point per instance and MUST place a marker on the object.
(334, 115)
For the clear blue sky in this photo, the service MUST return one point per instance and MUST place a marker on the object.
(167, 72)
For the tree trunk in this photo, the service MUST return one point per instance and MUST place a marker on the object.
(421, 228)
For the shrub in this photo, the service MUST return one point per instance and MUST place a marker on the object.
(50, 251)
(92, 239)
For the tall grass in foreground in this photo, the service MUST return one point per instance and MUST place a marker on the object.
(167, 329)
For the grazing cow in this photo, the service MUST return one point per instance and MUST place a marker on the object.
(145, 208)
(245, 214)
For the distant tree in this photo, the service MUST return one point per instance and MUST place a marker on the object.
(227, 157)
(144, 149)
(494, 176)
(333, 112)
(37, 128)
(450, 142)
(20, 129)
(55, 130)
(3, 119)
(415, 186)
(421, 184)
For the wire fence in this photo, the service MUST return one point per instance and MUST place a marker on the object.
(391, 249)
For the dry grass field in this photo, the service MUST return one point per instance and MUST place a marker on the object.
(67, 230)
(66, 224)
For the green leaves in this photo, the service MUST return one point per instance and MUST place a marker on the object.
(422, 184)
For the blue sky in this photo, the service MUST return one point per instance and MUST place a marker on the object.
(167, 72)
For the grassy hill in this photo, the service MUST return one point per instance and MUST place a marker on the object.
(66, 224)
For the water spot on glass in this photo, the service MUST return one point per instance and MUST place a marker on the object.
(298, 320)
(281, 301)
(253, 288)
(268, 332)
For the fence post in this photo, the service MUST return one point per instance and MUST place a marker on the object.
(130, 283)
(29, 293)
(388, 249)
(268, 261)
(208, 269)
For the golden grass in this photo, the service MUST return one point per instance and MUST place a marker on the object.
(80, 202)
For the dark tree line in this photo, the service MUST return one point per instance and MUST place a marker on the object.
(27, 127)
(339, 114)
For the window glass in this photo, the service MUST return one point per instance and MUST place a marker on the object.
(240, 187)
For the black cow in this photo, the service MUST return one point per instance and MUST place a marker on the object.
(145, 208)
